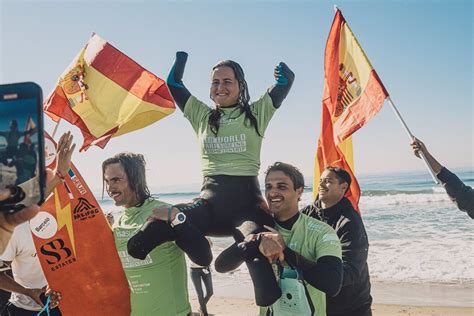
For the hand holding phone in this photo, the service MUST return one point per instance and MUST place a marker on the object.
(22, 168)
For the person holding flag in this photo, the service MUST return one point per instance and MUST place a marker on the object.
(459, 193)
(230, 137)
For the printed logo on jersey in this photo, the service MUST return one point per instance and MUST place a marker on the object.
(225, 144)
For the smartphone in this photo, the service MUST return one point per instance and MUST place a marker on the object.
(22, 167)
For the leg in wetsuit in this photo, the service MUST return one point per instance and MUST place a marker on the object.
(204, 274)
(232, 206)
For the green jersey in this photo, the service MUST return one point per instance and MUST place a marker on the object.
(235, 150)
(312, 239)
(158, 284)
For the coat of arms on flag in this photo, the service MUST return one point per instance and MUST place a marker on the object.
(107, 94)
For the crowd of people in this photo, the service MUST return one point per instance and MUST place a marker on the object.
(311, 261)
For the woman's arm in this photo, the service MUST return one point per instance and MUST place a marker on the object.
(175, 80)
(284, 78)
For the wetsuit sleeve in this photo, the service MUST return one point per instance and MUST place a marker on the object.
(175, 80)
(355, 249)
(284, 78)
(325, 274)
(459, 193)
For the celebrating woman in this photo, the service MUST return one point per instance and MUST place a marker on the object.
(230, 137)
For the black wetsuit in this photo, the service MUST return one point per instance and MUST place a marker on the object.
(354, 299)
(458, 192)
(229, 205)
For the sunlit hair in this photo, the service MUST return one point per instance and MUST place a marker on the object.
(291, 171)
(342, 175)
(242, 101)
(134, 166)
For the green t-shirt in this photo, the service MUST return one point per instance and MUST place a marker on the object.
(312, 239)
(158, 284)
(235, 150)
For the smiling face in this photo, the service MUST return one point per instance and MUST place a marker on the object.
(281, 195)
(224, 87)
(331, 190)
(117, 186)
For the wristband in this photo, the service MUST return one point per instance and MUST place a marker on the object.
(60, 176)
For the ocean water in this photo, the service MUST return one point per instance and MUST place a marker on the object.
(416, 234)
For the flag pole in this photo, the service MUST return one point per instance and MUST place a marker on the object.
(411, 136)
(55, 129)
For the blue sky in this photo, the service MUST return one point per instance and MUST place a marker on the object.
(422, 51)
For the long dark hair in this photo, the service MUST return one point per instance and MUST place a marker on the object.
(134, 166)
(242, 102)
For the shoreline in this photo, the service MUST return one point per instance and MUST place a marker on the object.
(240, 306)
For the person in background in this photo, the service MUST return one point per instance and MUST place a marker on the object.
(458, 192)
(332, 208)
(199, 273)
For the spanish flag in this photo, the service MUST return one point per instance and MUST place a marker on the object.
(107, 94)
(352, 95)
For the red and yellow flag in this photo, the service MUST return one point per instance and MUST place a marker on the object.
(107, 94)
(352, 95)
(76, 248)
(30, 129)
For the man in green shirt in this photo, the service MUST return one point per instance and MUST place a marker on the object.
(158, 284)
(307, 252)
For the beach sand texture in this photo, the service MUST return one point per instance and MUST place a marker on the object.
(236, 306)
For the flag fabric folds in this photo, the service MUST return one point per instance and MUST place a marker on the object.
(352, 95)
(107, 94)
(76, 248)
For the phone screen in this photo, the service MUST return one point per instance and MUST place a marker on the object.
(21, 141)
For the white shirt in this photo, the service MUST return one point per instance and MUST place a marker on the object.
(26, 267)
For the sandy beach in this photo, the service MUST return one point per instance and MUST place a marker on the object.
(239, 306)
(389, 299)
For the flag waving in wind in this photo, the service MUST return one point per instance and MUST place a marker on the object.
(353, 94)
(107, 94)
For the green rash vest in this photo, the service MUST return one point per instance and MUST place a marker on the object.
(235, 150)
(158, 284)
(312, 239)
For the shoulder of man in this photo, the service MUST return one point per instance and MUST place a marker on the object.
(314, 224)
(309, 210)
(349, 215)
